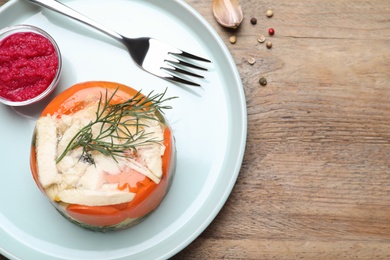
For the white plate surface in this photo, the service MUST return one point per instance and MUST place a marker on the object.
(209, 124)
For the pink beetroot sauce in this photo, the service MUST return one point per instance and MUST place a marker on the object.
(28, 65)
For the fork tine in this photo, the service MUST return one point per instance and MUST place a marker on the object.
(190, 56)
(181, 80)
(178, 70)
(186, 64)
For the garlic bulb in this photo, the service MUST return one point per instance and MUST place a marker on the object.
(228, 13)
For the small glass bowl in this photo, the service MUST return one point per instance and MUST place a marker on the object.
(7, 31)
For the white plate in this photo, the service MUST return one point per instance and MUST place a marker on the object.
(209, 124)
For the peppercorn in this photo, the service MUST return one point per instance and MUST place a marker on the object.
(251, 60)
(261, 39)
(263, 81)
(233, 39)
(253, 21)
(271, 31)
(269, 45)
(269, 13)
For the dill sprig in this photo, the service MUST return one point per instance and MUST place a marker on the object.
(114, 137)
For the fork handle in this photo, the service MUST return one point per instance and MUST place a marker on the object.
(66, 10)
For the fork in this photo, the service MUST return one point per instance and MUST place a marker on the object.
(150, 54)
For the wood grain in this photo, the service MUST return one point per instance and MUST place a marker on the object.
(315, 181)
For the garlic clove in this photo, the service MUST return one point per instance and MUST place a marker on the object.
(228, 13)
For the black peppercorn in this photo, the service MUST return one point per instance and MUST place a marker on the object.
(253, 20)
(263, 81)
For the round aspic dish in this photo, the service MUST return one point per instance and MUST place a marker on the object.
(104, 154)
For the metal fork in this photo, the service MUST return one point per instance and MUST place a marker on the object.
(152, 55)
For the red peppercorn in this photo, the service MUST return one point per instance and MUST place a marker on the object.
(271, 31)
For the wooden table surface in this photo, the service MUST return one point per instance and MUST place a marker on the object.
(315, 180)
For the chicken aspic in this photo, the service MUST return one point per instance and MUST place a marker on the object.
(104, 154)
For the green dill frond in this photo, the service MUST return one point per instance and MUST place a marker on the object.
(115, 137)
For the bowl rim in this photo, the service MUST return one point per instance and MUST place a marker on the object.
(9, 30)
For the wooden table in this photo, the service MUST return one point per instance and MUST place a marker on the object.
(315, 181)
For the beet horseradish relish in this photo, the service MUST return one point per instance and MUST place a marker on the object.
(29, 64)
